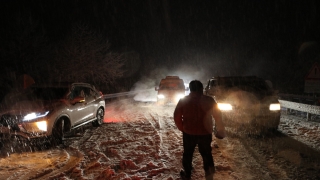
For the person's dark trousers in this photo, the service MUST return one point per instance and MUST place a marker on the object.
(204, 146)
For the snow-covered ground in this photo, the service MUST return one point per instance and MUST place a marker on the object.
(140, 141)
(302, 130)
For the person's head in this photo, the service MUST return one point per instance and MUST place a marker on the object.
(196, 86)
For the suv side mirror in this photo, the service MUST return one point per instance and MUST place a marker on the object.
(156, 88)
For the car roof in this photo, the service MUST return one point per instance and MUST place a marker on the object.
(82, 84)
(62, 84)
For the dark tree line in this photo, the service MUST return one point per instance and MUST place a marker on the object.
(84, 56)
(115, 42)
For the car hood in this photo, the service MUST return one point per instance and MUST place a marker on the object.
(245, 98)
(169, 91)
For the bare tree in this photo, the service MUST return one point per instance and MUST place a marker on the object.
(86, 57)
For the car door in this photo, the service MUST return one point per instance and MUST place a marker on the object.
(90, 102)
(79, 112)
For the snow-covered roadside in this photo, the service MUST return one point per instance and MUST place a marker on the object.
(302, 130)
(137, 141)
(140, 141)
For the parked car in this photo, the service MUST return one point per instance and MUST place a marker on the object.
(246, 102)
(170, 90)
(51, 110)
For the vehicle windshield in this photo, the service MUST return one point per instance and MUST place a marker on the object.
(171, 85)
(246, 84)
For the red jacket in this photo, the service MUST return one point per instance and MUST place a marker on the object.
(193, 114)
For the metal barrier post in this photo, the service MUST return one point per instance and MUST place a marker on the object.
(308, 116)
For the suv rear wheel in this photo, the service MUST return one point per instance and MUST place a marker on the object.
(99, 116)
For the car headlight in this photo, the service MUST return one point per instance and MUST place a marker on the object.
(34, 126)
(42, 125)
(160, 96)
(34, 115)
(179, 96)
(274, 107)
(224, 106)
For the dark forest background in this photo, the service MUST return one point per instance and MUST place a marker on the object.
(116, 43)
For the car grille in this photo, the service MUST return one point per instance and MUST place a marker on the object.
(256, 110)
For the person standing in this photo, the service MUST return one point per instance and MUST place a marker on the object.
(193, 117)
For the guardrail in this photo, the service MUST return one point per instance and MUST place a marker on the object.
(143, 95)
(304, 99)
(308, 105)
(128, 93)
(307, 108)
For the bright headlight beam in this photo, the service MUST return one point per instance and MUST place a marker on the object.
(274, 107)
(224, 106)
(42, 125)
(30, 116)
(34, 115)
(161, 96)
(179, 96)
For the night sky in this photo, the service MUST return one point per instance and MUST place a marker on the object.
(273, 39)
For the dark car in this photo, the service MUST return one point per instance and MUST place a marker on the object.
(247, 102)
(44, 110)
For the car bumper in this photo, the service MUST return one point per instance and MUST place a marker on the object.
(265, 121)
(10, 132)
(167, 101)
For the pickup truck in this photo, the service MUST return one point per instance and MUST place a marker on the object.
(247, 102)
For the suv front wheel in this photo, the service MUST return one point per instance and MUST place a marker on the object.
(58, 132)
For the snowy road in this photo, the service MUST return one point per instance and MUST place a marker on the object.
(140, 141)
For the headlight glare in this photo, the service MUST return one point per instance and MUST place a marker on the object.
(34, 115)
(42, 125)
(224, 106)
(274, 107)
(179, 96)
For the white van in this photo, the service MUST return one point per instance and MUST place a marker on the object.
(170, 90)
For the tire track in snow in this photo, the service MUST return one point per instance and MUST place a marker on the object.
(170, 136)
(41, 165)
(133, 129)
(74, 157)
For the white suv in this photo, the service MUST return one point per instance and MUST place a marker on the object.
(51, 110)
